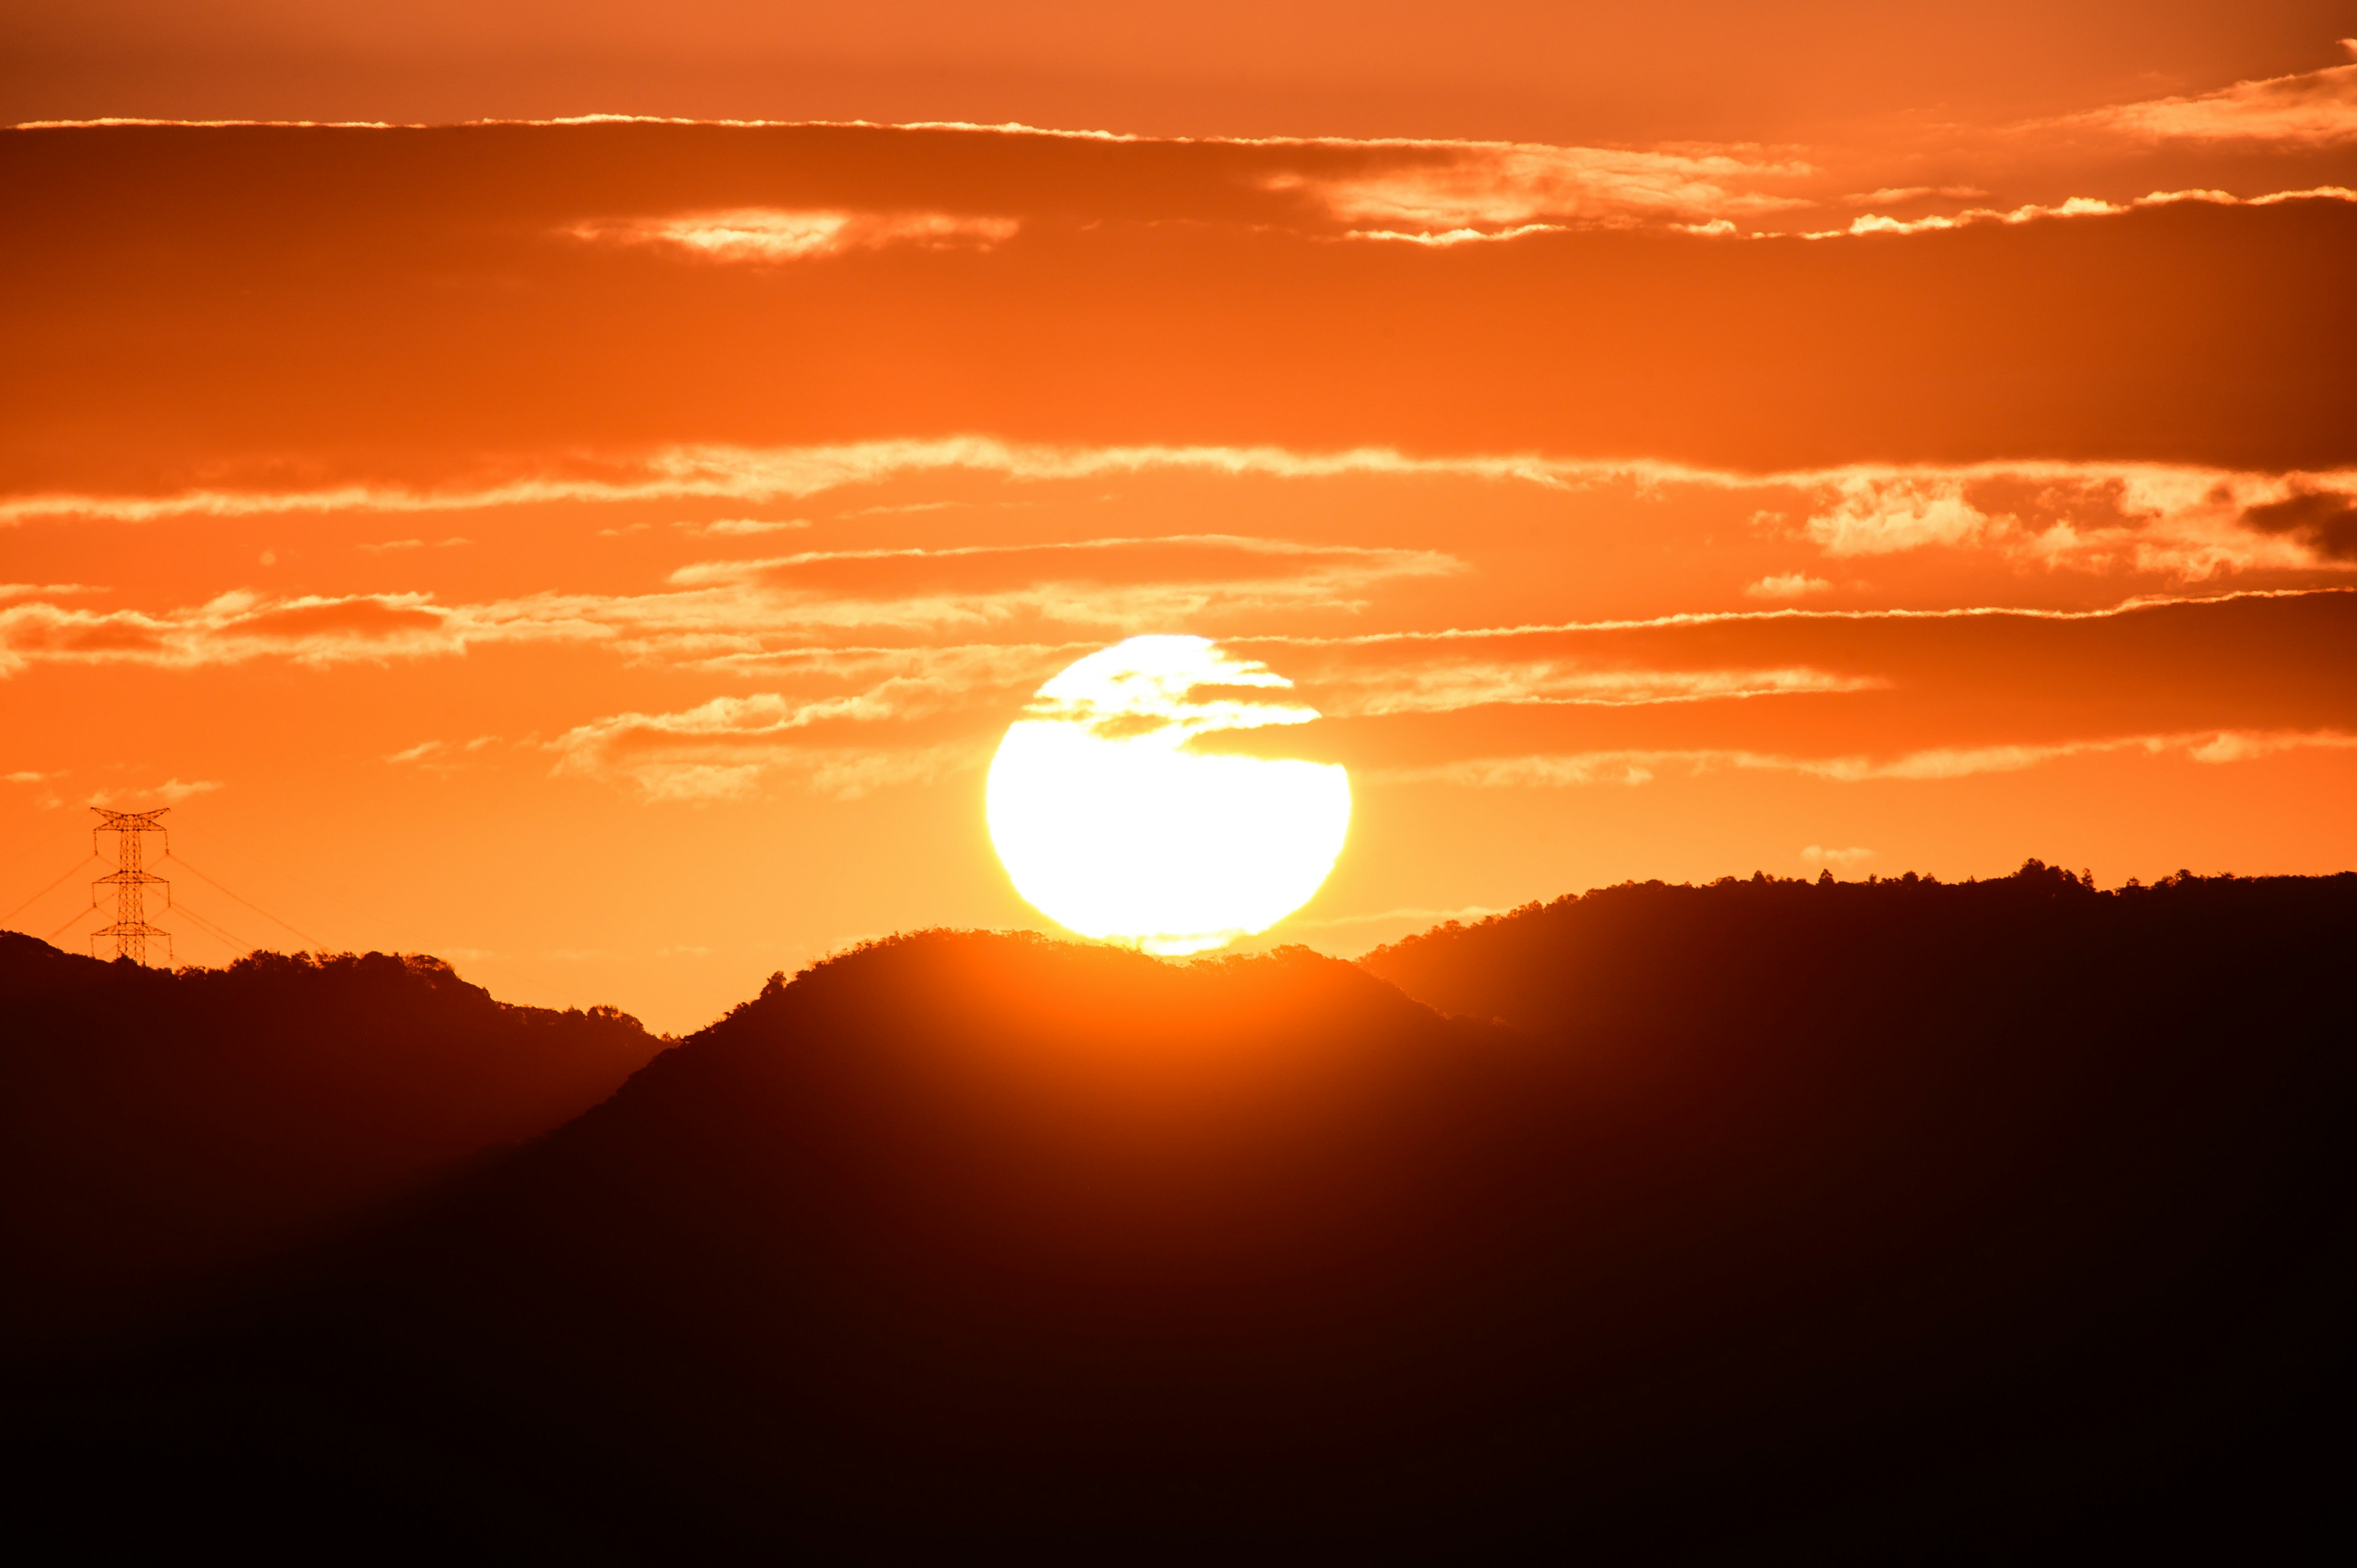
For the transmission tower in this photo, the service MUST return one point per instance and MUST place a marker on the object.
(130, 881)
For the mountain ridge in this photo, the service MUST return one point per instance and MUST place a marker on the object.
(968, 1242)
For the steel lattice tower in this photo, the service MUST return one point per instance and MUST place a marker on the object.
(130, 881)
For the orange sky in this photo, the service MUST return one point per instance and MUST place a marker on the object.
(605, 555)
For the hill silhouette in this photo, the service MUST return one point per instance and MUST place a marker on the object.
(1848, 1219)
(158, 1127)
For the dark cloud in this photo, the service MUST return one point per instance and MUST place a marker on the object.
(2325, 520)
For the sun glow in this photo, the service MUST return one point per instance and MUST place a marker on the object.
(1111, 825)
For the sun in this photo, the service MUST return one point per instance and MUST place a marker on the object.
(1110, 823)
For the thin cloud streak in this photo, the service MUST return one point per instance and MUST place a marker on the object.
(726, 748)
(1709, 617)
(773, 235)
(1384, 691)
(1641, 766)
(743, 607)
(2074, 207)
(2176, 521)
(756, 475)
(1444, 191)
(2316, 108)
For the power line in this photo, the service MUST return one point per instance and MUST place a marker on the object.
(77, 915)
(257, 908)
(220, 933)
(321, 896)
(44, 892)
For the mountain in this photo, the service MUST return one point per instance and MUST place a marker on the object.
(158, 1127)
(1855, 1220)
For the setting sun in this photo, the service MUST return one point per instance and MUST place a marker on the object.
(1111, 824)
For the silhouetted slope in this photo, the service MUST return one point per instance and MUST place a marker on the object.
(2003, 1221)
(156, 1125)
(1654, 959)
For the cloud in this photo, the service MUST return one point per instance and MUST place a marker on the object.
(1789, 586)
(756, 475)
(724, 609)
(232, 628)
(771, 235)
(2325, 521)
(732, 526)
(1382, 689)
(2313, 109)
(1637, 767)
(2074, 207)
(899, 714)
(1816, 854)
(440, 755)
(2173, 519)
(1872, 514)
(1449, 192)
(1891, 195)
(726, 749)
(1092, 582)
(1874, 223)
(172, 791)
(2189, 525)
(2242, 746)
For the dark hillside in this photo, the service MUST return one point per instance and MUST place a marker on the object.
(1957, 1220)
(1653, 959)
(156, 1125)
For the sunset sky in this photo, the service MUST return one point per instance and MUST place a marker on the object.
(589, 506)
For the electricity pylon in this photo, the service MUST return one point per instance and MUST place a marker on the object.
(130, 881)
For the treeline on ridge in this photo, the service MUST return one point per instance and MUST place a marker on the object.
(158, 1127)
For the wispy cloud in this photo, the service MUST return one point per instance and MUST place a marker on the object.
(1890, 195)
(2180, 520)
(1447, 192)
(1453, 683)
(1787, 585)
(772, 234)
(2074, 207)
(440, 757)
(1638, 766)
(232, 629)
(172, 791)
(727, 608)
(2140, 605)
(1092, 582)
(2184, 523)
(2316, 108)
(728, 748)
(757, 475)
(739, 527)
